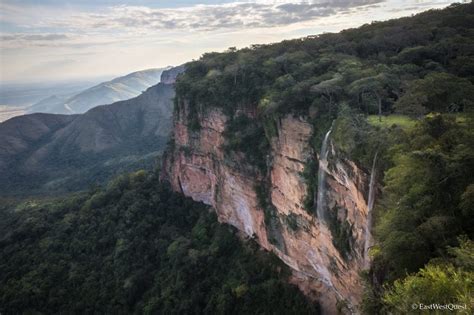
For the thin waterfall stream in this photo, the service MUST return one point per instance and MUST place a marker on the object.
(370, 205)
(323, 160)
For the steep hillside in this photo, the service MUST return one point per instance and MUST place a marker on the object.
(45, 152)
(118, 89)
(107, 126)
(279, 140)
(19, 134)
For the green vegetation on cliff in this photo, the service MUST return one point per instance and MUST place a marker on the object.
(244, 135)
(134, 247)
(411, 65)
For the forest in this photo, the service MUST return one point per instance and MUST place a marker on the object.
(134, 247)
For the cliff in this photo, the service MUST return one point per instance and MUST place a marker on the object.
(261, 173)
(198, 165)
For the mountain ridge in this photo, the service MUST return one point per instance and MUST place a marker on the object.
(117, 89)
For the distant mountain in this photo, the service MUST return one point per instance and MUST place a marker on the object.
(118, 89)
(51, 152)
(27, 94)
(50, 104)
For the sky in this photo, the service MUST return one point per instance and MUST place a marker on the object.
(57, 40)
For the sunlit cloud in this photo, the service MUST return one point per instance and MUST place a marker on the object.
(195, 18)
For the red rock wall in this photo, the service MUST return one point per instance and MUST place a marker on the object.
(197, 167)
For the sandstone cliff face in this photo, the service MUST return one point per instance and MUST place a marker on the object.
(197, 166)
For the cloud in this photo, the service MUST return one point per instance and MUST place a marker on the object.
(22, 40)
(45, 26)
(33, 37)
(262, 14)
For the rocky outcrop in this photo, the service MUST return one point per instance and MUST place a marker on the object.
(198, 166)
(169, 76)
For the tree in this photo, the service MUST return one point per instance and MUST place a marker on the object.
(378, 85)
(442, 282)
(438, 92)
(329, 88)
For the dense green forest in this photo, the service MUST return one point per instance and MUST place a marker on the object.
(412, 65)
(424, 217)
(403, 89)
(134, 247)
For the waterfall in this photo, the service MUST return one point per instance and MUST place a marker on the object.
(323, 160)
(370, 205)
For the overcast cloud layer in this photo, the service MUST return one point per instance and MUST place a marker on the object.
(52, 41)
